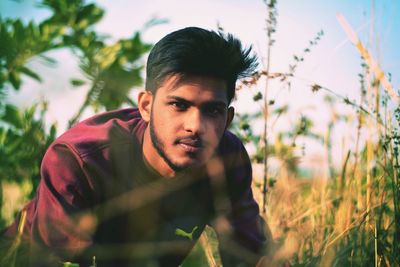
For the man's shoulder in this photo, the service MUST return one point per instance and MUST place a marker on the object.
(230, 143)
(99, 131)
(232, 150)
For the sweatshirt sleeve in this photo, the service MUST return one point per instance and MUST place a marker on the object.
(62, 222)
(248, 237)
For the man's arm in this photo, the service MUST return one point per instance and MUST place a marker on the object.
(61, 223)
(248, 238)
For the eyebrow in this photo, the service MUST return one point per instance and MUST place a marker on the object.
(208, 103)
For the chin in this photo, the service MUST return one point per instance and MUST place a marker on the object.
(187, 162)
(189, 165)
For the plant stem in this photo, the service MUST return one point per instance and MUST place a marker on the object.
(265, 133)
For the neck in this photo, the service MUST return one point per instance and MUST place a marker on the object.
(153, 158)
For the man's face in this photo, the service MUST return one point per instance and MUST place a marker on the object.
(187, 120)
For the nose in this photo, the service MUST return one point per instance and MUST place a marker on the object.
(195, 123)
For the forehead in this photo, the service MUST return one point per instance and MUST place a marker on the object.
(194, 87)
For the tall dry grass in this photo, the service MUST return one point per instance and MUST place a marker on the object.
(350, 216)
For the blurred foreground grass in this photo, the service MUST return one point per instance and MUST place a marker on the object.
(348, 217)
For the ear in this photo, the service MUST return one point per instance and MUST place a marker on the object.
(145, 101)
(229, 118)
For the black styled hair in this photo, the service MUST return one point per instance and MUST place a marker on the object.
(196, 51)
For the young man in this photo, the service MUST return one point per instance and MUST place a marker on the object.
(136, 187)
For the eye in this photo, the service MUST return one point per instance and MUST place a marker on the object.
(180, 106)
(214, 111)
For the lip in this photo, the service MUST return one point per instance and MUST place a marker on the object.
(191, 145)
(190, 148)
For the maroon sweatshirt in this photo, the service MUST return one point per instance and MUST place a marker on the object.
(98, 197)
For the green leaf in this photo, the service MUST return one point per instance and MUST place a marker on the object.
(271, 182)
(19, 31)
(281, 110)
(180, 232)
(88, 15)
(53, 132)
(70, 264)
(48, 61)
(257, 97)
(107, 55)
(153, 22)
(30, 73)
(15, 79)
(77, 82)
(315, 88)
(3, 134)
(244, 126)
(12, 116)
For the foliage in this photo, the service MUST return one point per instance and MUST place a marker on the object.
(19, 43)
(23, 139)
(23, 142)
(348, 217)
(112, 70)
(189, 235)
